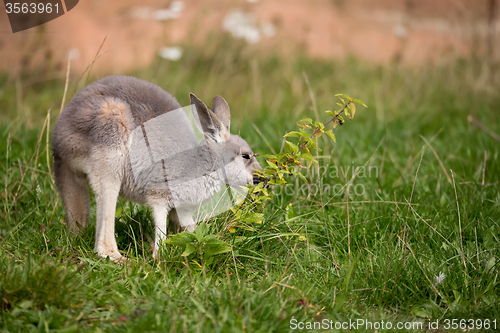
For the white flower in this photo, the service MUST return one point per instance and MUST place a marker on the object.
(173, 53)
(176, 7)
(439, 278)
(165, 15)
(74, 53)
(244, 25)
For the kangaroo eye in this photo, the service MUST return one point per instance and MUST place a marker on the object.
(245, 156)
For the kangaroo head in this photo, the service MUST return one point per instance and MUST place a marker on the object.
(215, 124)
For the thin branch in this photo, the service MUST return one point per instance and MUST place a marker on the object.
(66, 83)
(483, 128)
(437, 158)
(304, 144)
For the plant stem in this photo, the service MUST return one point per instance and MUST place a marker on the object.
(317, 130)
(312, 136)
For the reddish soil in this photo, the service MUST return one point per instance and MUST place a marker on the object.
(409, 31)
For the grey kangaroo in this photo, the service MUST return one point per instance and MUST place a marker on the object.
(125, 136)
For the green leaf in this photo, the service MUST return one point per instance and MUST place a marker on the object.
(271, 164)
(281, 181)
(283, 155)
(190, 248)
(258, 188)
(198, 304)
(303, 132)
(331, 135)
(309, 140)
(181, 239)
(343, 95)
(293, 134)
(301, 176)
(176, 241)
(254, 217)
(312, 144)
(352, 107)
(200, 231)
(210, 238)
(270, 172)
(258, 172)
(118, 213)
(209, 261)
(309, 157)
(276, 182)
(291, 147)
(304, 126)
(355, 100)
(306, 121)
(490, 264)
(218, 248)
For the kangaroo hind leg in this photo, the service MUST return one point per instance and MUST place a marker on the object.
(105, 179)
(75, 196)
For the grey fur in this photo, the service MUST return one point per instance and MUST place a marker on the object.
(101, 141)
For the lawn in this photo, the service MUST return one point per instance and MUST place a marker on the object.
(399, 222)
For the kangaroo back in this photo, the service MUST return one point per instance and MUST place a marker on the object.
(105, 112)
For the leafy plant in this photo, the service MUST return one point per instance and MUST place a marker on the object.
(284, 163)
(199, 247)
(199, 244)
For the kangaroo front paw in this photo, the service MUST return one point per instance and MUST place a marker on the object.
(122, 261)
(113, 256)
(156, 252)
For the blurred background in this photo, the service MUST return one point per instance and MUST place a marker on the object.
(264, 56)
(413, 32)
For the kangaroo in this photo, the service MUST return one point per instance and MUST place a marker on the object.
(125, 136)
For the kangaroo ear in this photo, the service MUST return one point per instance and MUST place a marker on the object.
(207, 121)
(221, 109)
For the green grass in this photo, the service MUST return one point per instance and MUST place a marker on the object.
(318, 253)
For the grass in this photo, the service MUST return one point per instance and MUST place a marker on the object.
(427, 202)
